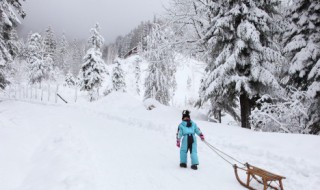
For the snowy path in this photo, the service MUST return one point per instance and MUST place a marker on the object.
(62, 147)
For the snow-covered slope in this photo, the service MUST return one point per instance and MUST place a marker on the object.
(115, 143)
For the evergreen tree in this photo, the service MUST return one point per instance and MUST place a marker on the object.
(70, 80)
(49, 43)
(245, 56)
(62, 54)
(96, 40)
(302, 48)
(93, 69)
(14, 44)
(40, 66)
(77, 53)
(137, 71)
(302, 42)
(8, 21)
(118, 79)
(160, 81)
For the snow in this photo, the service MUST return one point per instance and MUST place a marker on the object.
(116, 143)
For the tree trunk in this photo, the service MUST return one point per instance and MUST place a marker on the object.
(219, 115)
(245, 109)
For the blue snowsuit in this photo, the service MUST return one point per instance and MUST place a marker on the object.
(189, 142)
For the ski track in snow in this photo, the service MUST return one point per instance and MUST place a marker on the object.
(72, 147)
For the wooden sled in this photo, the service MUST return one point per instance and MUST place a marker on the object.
(267, 179)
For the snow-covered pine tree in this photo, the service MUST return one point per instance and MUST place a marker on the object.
(160, 82)
(70, 80)
(49, 47)
(40, 67)
(62, 54)
(302, 42)
(118, 79)
(93, 69)
(137, 72)
(302, 48)
(96, 40)
(192, 20)
(49, 43)
(246, 56)
(14, 44)
(314, 93)
(77, 52)
(8, 21)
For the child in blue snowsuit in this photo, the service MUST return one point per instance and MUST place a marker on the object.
(187, 130)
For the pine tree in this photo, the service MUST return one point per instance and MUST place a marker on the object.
(137, 71)
(302, 48)
(302, 42)
(49, 43)
(62, 54)
(96, 40)
(160, 81)
(70, 80)
(77, 53)
(118, 79)
(93, 69)
(8, 21)
(245, 56)
(40, 67)
(14, 45)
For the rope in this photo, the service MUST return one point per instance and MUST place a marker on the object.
(219, 152)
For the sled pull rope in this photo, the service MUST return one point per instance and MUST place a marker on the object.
(219, 152)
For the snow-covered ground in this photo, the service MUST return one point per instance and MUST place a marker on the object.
(115, 143)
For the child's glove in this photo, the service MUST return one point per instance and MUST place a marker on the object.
(178, 143)
(202, 137)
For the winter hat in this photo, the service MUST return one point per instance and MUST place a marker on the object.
(185, 113)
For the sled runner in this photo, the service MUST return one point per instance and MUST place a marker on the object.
(266, 178)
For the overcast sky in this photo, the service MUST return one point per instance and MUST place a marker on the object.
(76, 17)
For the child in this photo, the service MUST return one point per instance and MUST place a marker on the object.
(187, 129)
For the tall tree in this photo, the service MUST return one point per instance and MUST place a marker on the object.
(118, 78)
(160, 81)
(246, 56)
(137, 72)
(302, 48)
(93, 68)
(49, 43)
(62, 54)
(77, 52)
(8, 21)
(40, 66)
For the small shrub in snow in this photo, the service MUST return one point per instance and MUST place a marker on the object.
(151, 103)
(286, 115)
(70, 80)
(106, 92)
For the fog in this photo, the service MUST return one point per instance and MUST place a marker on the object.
(76, 17)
